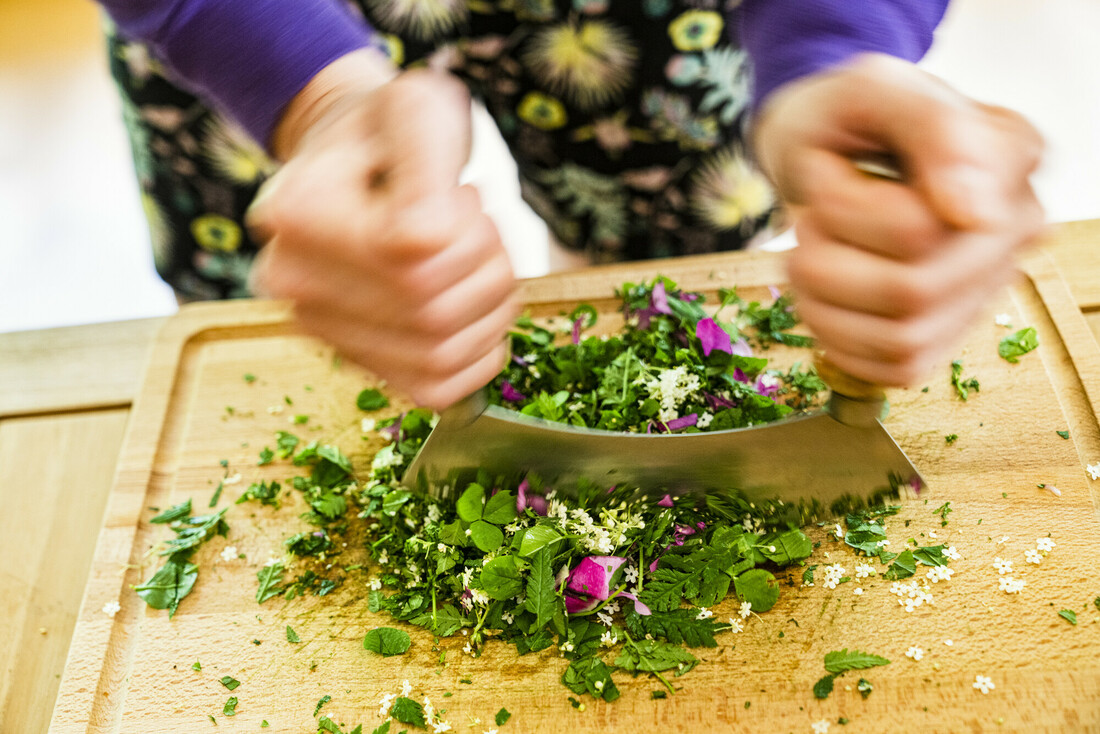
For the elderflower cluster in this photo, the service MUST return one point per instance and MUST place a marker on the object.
(1010, 585)
(915, 653)
(911, 595)
(940, 573)
(704, 613)
(736, 625)
(608, 639)
(833, 575)
(745, 610)
(1003, 566)
(863, 570)
(671, 388)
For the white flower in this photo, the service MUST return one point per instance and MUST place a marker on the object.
(229, 553)
(630, 574)
(863, 570)
(882, 543)
(1093, 470)
(468, 532)
(983, 683)
(111, 608)
(375, 584)
(1002, 566)
(1003, 540)
(608, 639)
(384, 559)
(950, 553)
(367, 425)
(704, 613)
(385, 703)
(480, 597)
(1045, 544)
(914, 652)
(932, 534)
(507, 618)
(832, 576)
(1010, 585)
(949, 643)
(821, 727)
(940, 573)
(406, 688)
(745, 610)
(441, 548)
(440, 726)
(1002, 319)
(857, 591)
(235, 479)
(736, 625)
(838, 531)
(567, 647)
(605, 619)
(1033, 556)
(704, 420)
(274, 409)
(598, 685)
(468, 649)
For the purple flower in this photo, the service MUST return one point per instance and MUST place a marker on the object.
(741, 348)
(666, 501)
(688, 420)
(658, 299)
(519, 360)
(767, 385)
(535, 502)
(590, 583)
(511, 394)
(577, 330)
(715, 402)
(712, 336)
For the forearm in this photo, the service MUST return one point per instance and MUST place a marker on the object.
(249, 59)
(790, 39)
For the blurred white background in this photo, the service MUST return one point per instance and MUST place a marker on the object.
(73, 244)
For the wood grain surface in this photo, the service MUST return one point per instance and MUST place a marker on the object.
(133, 672)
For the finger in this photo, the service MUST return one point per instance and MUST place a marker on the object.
(886, 217)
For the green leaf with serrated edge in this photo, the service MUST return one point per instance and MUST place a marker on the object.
(486, 537)
(444, 622)
(903, 567)
(387, 641)
(680, 627)
(839, 661)
(592, 676)
(535, 538)
(500, 509)
(471, 503)
(758, 587)
(824, 687)
(371, 399)
(270, 578)
(542, 596)
(500, 578)
(654, 656)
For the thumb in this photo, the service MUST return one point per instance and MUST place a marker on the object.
(424, 135)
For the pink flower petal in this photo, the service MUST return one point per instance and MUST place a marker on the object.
(658, 299)
(535, 502)
(640, 608)
(666, 501)
(688, 420)
(577, 330)
(511, 394)
(741, 348)
(713, 337)
(592, 576)
(580, 605)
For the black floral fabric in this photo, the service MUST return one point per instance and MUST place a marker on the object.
(625, 120)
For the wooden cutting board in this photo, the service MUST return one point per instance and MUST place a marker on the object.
(133, 672)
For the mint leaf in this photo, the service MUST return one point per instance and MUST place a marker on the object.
(230, 682)
(169, 585)
(486, 537)
(654, 656)
(471, 503)
(824, 687)
(230, 707)
(371, 399)
(839, 661)
(408, 711)
(1016, 345)
(502, 717)
(537, 537)
(387, 641)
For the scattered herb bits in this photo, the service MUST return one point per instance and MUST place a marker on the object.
(387, 641)
(1013, 346)
(230, 682)
(1069, 615)
(291, 635)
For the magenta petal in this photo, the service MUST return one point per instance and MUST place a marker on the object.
(580, 605)
(713, 337)
(535, 502)
(716, 402)
(538, 504)
(511, 394)
(688, 420)
(740, 376)
(666, 501)
(741, 348)
(640, 608)
(658, 299)
(776, 293)
(577, 330)
(653, 565)
(592, 576)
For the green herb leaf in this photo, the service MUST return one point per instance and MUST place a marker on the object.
(169, 585)
(1015, 345)
(486, 537)
(291, 635)
(230, 707)
(371, 399)
(324, 699)
(790, 546)
(654, 656)
(471, 503)
(387, 641)
(502, 717)
(266, 457)
(824, 686)
(962, 387)
(270, 578)
(904, 566)
(500, 509)
(408, 711)
(1069, 615)
(591, 676)
(864, 687)
(285, 443)
(230, 682)
(758, 587)
(176, 512)
(839, 661)
(537, 537)
(1063, 434)
(196, 665)
(500, 578)
(542, 597)
(680, 627)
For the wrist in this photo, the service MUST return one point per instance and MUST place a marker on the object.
(350, 77)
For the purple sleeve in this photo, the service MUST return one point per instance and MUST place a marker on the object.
(248, 57)
(788, 39)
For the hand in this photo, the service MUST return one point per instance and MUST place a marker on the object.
(383, 253)
(889, 274)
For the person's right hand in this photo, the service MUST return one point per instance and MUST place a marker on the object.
(383, 253)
